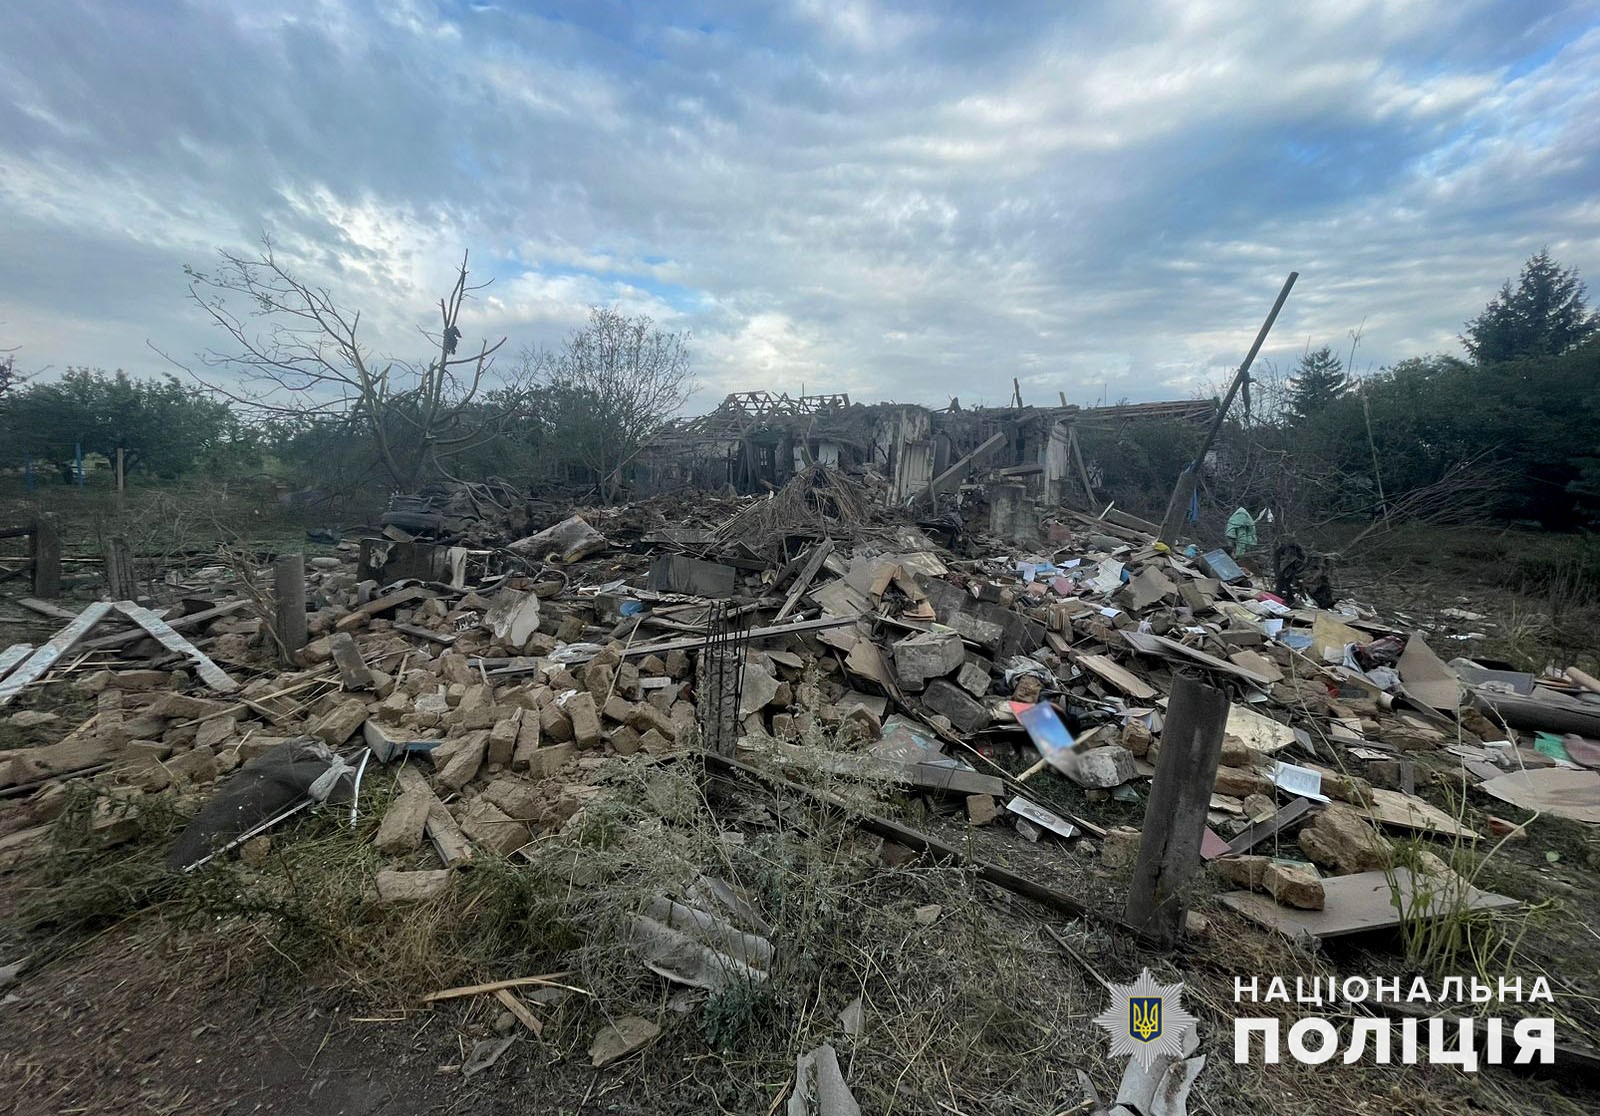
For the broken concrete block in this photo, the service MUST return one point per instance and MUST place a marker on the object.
(1119, 848)
(181, 707)
(520, 799)
(545, 762)
(647, 718)
(927, 655)
(585, 720)
(1294, 887)
(624, 740)
(490, 827)
(655, 744)
(617, 710)
(400, 831)
(1337, 837)
(412, 887)
(198, 765)
(973, 679)
(620, 1038)
(1236, 782)
(477, 708)
(554, 724)
(465, 756)
(677, 664)
(949, 700)
(503, 741)
(760, 687)
(513, 616)
(1149, 589)
(1101, 768)
(215, 731)
(340, 723)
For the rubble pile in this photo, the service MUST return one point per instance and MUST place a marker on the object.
(495, 687)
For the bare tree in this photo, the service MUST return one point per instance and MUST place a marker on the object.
(297, 353)
(613, 386)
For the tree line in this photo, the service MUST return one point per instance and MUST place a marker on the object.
(296, 391)
(1506, 432)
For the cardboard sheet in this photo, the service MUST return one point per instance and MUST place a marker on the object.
(1552, 790)
(1355, 904)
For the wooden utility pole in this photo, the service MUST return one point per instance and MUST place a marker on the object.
(1186, 479)
(289, 584)
(1175, 816)
(46, 554)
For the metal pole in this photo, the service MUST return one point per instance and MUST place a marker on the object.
(1186, 479)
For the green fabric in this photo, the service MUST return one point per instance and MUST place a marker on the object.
(1241, 530)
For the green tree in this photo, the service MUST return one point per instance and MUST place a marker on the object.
(1318, 380)
(1546, 314)
(613, 386)
(162, 426)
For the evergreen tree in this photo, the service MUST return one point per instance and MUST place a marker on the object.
(1544, 315)
(1318, 380)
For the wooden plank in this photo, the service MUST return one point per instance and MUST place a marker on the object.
(1119, 676)
(1160, 645)
(379, 605)
(955, 472)
(549, 980)
(923, 842)
(180, 624)
(45, 657)
(45, 608)
(505, 666)
(13, 655)
(209, 672)
(513, 1003)
(808, 572)
(423, 633)
(1258, 832)
(353, 669)
(1175, 816)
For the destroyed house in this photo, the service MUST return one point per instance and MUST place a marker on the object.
(756, 441)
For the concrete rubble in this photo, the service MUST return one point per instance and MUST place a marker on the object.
(559, 649)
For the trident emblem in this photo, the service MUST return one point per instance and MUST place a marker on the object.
(1144, 1017)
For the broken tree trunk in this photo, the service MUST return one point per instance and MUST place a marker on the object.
(1175, 817)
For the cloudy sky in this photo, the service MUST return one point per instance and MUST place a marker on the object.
(899, 201)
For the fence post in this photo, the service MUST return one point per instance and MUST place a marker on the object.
(1175, 816)
(289, 584)
(46, 553)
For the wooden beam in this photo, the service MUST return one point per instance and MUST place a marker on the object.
(45, 657)
(955, 472)
(505, 666)
(45, 608)
(922, 842)
(178, 624)
(163, 633)
(1175, 815)
(802, 582)
(46, 554)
